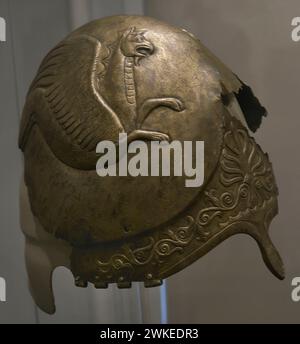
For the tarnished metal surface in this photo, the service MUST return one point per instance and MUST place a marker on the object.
(139, 76)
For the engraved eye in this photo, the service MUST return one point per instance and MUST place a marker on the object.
(140, 38)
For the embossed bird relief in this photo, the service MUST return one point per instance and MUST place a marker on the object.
(73, 91)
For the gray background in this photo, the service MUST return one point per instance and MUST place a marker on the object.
(231, 283)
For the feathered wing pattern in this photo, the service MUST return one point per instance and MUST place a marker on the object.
(68, 77)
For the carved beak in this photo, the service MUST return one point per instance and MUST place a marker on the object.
(143, 50)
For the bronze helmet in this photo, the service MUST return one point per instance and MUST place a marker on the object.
(153, 81)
